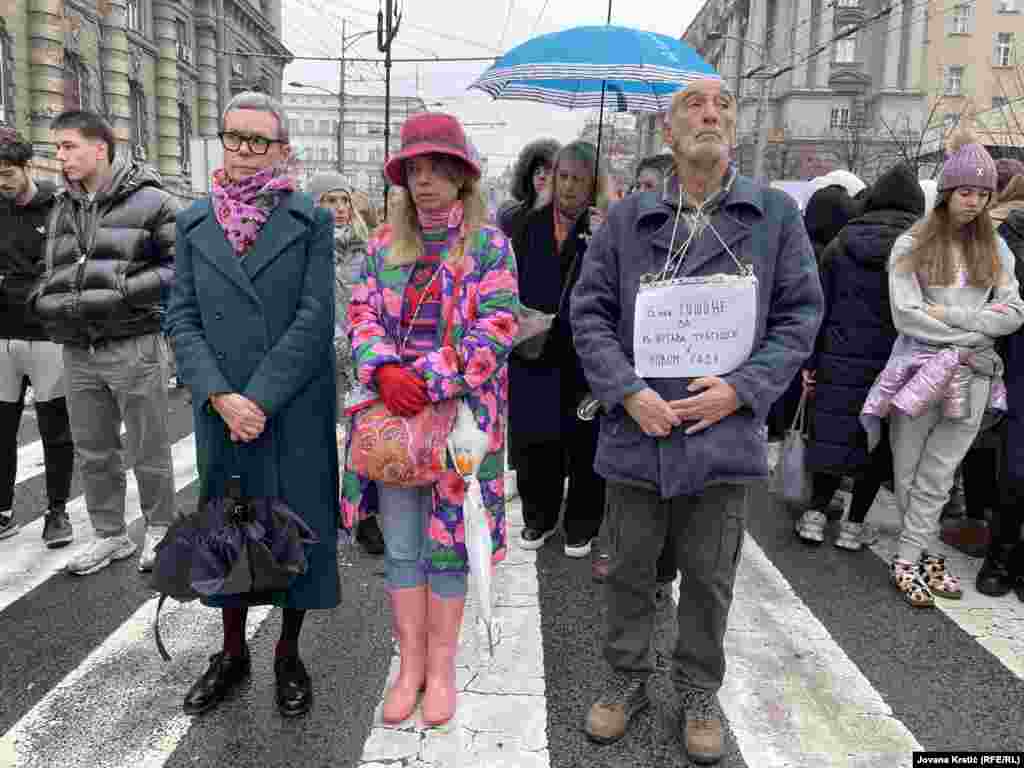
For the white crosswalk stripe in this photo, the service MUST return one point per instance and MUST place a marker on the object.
(792, 695)
(27, 563)
(30, 459)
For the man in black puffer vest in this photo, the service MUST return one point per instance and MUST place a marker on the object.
(26, 355)
(109, 263)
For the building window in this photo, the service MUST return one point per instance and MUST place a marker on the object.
(376, 155)
(846, 48)
(137, 99)
(375, 129)
(848, 3)
(961, 18)
(325, 155)
(309, 127)
(840, 117)
(350, 155)
(1006, 6)
(1003, 54)
(238, 64)
(185, 139)
(954, 81)
(325, 127)
(184, 41)
(293, 127)
(76, 83)
(950, 121)
(133, 15)
(998, 102)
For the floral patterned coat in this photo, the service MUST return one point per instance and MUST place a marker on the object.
(479, 320)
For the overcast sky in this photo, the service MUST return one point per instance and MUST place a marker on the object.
(457, 28)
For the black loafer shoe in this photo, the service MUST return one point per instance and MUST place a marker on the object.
(294, 688)
(223, 676)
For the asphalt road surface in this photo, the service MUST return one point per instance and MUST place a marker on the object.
(827, 666)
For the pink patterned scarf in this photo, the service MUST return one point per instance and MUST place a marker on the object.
(243, 207)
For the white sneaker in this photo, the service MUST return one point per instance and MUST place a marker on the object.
(849, 536)
(579, 550)
(154, 535)
(811, 526)
(100, 554)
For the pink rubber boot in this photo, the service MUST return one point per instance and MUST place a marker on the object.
(409, 609)
(444, 620)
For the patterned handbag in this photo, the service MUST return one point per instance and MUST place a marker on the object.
(400, 450)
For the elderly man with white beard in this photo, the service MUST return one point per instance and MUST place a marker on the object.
(695, 308)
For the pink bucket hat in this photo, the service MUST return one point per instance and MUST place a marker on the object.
(429, 133)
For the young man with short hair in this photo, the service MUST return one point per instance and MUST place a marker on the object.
(109, 263)
(26, 353)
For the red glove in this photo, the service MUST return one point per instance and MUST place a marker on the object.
(403, 392)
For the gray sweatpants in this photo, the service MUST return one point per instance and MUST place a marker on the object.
(124, 380)
(926, 452)
(706, 532)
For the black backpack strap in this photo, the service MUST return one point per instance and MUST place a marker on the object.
(156, 630)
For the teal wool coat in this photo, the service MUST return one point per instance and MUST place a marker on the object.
(263, 326)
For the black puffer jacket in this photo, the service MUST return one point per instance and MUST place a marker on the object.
(110, 261)
(857, 333)
(1011, 349)
(22, 240)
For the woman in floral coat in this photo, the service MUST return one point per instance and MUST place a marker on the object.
(434, 319)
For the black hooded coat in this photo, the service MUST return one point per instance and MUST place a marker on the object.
(827, 212)
(857, 333)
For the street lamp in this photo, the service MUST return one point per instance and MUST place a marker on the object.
(341, 118)
(346, 43)
(764, 78)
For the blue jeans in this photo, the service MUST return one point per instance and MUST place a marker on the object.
(404, 520)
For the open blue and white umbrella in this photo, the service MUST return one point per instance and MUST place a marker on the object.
(575, 68)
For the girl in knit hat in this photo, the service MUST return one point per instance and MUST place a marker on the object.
(953, 291)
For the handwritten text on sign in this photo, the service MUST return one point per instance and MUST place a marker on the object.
(690, 329)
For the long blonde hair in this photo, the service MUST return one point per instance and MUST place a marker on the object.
(358, 223)
(932, 255)
(406, 236)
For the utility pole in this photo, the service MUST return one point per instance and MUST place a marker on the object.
(760, 129)
(341, 104)
(388, 22)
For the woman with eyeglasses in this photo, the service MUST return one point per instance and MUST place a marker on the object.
(251, 316)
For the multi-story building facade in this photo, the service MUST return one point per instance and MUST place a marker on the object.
(161, 71)
(973, 66)
(314, 136)
(852, 102)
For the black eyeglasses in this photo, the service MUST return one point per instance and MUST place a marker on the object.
(258, 145)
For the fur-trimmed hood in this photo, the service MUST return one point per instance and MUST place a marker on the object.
(542, 150)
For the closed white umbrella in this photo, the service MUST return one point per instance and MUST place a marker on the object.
(467, 445)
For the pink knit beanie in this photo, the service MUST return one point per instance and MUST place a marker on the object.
(969, 164)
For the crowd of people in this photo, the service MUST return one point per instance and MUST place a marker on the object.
(891, 310)
(911, 270)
